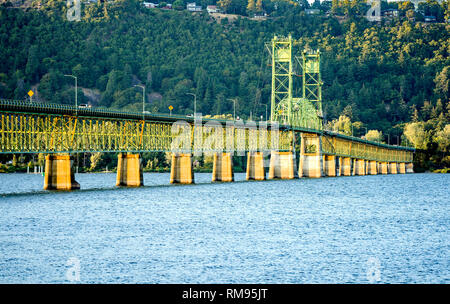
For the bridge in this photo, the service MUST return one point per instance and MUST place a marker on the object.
(293, 144)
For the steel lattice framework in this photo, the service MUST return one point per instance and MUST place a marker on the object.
(22, 130)
(305, 111)
(28, 128)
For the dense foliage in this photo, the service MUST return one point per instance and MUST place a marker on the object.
(375, 73)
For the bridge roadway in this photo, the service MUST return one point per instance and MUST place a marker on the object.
(58, 130)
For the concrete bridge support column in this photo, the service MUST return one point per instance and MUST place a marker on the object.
(372, 167)
(401, 168)
(181, 171)
(392, 168)
(366, 167)
(311, 162)
(346, 166)
(129, 170)
(360, 167)
(329, 165)
(409, 168)
(383, 168)
(282, 165)
(255, 166)
(222, 167)
(58, 173)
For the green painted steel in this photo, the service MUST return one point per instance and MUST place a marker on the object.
(305, 111)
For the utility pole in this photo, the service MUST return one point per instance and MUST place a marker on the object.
(76, 92)
(234, 102)
(143, 99)
(195, 102)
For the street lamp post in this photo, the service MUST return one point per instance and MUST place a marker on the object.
(266, 112)
(234, 109)
(143, 99)
(195, 102)
(76, 92)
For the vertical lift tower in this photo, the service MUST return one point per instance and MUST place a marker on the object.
(306, 111)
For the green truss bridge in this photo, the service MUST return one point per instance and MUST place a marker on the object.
(292, 144)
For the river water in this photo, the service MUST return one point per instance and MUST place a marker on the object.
(365, 229)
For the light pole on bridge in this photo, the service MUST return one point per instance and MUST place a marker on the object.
(234, 108)
(76, 92)
(195, 101)
(266, 113)
(365, 135)
(143, 99)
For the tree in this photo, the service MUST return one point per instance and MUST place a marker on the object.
(374, 135)
(32, 68)
(442, 138)
(417, 135)
(251, 6)
(95, 160)
(259, 6)
(442, 82)
(178, 4)
(224, 4)
(341, 125)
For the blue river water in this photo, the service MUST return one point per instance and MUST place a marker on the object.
(367, 229)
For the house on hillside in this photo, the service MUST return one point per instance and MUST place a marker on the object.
(212, 9)
(193, 7)
(167, 7)
(260, 15)
(150, 4)
(312, 11)
(390, 13)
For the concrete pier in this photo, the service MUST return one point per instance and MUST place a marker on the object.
(346, 166)
(372, 168)
(383, 168)
(360, 167)
(311, 163)
(392, 168)
(329, 162)
(222, 168)
(129, 170)
(282, 165)
(255, 166)
(58, 173)
(181, 171)
(401, 168)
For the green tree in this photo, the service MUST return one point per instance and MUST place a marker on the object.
(251, 7)
(374, 135)
(417, 135)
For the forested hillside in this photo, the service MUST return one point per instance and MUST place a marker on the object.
(381, 75)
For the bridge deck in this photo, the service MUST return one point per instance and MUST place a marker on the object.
(54, 128)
